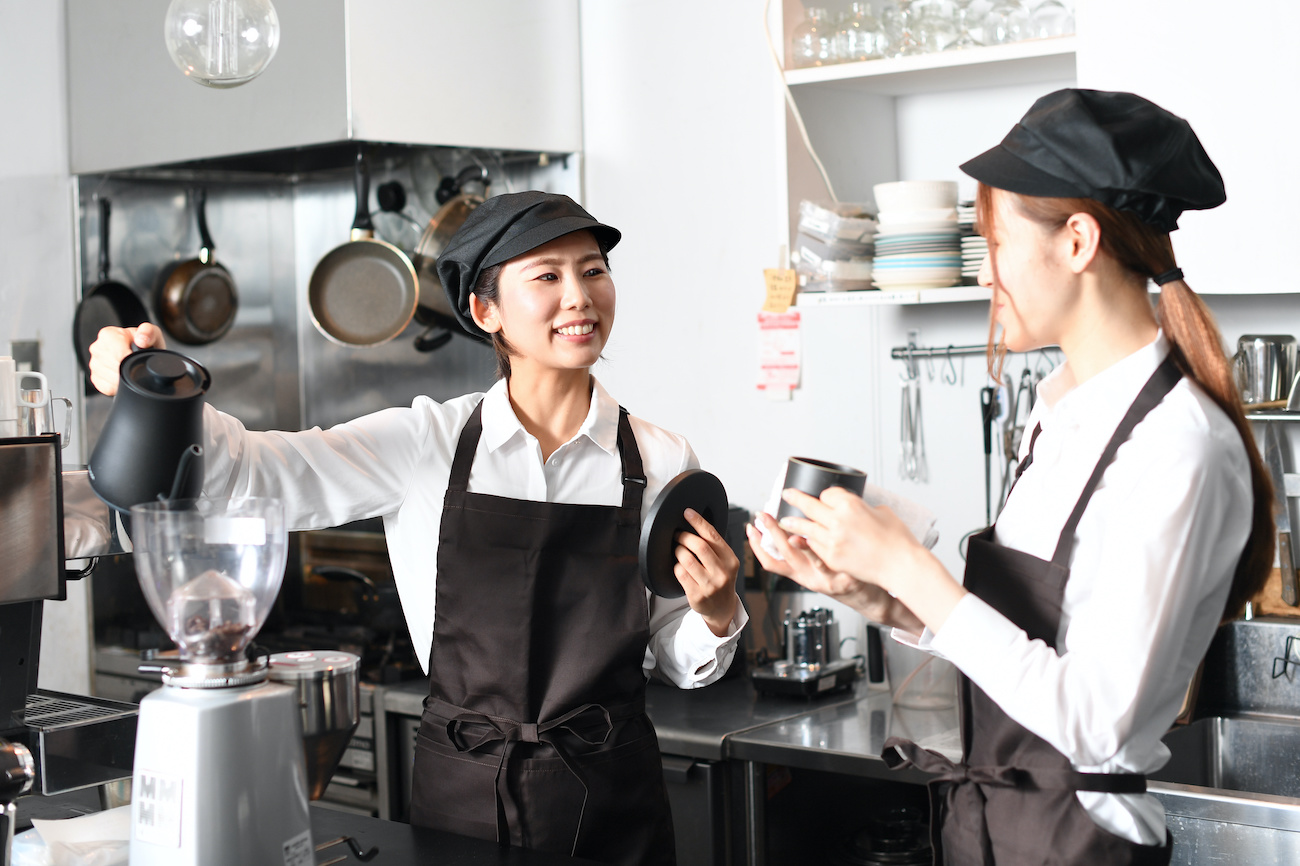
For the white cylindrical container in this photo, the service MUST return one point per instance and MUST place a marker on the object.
(8, 398)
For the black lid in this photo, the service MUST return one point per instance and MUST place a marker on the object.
(1116, 148)
(163, 374)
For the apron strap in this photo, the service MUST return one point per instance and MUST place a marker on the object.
(633, 472)
(634, 480)
(466, 445)
(956, 790)
(590, 724)
(1162, 381)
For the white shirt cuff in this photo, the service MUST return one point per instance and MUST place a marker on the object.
(978, 639)
(695, 640)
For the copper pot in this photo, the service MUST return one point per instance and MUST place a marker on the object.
(196, 299)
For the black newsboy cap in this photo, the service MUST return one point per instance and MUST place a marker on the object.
(1118, 148)
(503, 227)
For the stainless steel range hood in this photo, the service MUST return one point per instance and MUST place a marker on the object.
(496, 74)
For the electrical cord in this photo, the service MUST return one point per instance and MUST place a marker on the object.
(794, 109)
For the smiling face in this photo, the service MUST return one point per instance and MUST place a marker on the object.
(1028, 268)
(554, 304)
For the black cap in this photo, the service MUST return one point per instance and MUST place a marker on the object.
(503, 227)
(1117, 148)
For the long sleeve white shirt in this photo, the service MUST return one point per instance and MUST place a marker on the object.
(1152, 563)
(395, 464)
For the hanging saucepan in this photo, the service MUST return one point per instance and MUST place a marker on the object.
(196, 299)
(106, 304)
(458, 199)
(362, 293)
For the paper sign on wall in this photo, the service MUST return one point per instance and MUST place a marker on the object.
(781, 286)
(779, 350)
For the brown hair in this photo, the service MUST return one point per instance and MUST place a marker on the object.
(1196, 344)
(488, 289)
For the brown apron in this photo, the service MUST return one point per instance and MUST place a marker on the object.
(534, 732)
(1011, 800)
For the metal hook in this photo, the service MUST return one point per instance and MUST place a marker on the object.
(1043, 358)
(950, 370)
(1286, 661)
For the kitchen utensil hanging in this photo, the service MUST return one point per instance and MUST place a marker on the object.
(196, 299)
(911, 429)
(106, 304)
(434, 308)
(363, 292)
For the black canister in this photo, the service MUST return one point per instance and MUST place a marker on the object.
(151, 445)
(814, 476)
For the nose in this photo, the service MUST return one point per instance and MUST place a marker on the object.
(985, 276)
(576, 296)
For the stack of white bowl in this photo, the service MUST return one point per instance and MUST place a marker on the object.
(918, 243)
(833, 247)
(973, 246)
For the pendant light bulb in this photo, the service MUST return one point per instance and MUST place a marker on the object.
(221, 43)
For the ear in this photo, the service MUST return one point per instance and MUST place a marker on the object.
(1083, 233)
(485, 315)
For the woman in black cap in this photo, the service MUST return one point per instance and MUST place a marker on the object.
(513, 521)
(1141, 516)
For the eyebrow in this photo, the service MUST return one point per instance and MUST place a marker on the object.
(556, 261)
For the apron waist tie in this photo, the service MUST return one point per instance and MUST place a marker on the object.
(591, 724)
(957, 789)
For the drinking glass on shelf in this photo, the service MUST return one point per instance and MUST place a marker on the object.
(1007, 21)
(934, 28)
(1050, 18)
(890, 30)
(858, 36)
(906, 44)
(813, 40)
(965, 39)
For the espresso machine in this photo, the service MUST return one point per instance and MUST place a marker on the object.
(812, 663)
(50, 742)
(220, 773)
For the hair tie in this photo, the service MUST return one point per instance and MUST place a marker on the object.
(1168, 276)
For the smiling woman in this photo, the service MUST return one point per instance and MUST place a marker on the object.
(513, 519)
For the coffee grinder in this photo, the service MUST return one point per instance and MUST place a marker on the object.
(220, 776)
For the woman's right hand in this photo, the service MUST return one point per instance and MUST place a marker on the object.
(805, 568)
(114, 344)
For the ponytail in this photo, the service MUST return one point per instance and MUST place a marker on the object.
(1196, 344)
(1189, 326)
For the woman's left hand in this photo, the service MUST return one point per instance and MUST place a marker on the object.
(707, 568)
(873, 545)
(849, 535)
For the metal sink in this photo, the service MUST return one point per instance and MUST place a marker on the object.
(1252, 755)
(1231, 790)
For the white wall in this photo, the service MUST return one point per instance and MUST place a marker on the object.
(681, 117)
(37, 270)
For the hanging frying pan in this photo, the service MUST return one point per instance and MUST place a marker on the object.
(364, 292)
(434, 308)
(196, 299)
(107, 304)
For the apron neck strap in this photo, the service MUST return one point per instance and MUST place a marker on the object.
(1162, 381)
(634, 480)
(633, 472)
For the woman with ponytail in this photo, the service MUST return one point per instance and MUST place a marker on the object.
(1141, 516)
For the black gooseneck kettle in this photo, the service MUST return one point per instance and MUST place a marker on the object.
(152, 444)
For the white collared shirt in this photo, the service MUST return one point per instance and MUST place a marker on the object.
(1153, 560)
(395, 464)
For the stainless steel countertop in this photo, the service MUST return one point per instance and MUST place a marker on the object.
(695, 722)
(689, 722)
(848, 737)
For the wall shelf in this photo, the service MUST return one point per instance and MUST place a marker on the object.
(990, 66)
(897, 297)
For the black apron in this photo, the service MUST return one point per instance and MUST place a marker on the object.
(1012, 800)
(535, 732)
